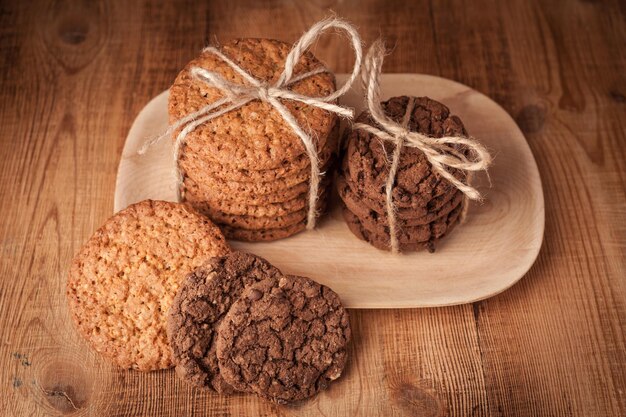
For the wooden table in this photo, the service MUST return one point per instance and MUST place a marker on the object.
(73, 75)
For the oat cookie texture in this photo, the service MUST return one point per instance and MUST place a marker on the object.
(123, 280)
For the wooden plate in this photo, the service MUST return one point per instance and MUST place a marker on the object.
(485, 256)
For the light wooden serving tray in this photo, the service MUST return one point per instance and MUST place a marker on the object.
(490, 252)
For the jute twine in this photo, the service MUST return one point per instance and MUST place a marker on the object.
(238, 95)
(440, 152)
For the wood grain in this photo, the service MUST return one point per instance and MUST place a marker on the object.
(73, 75)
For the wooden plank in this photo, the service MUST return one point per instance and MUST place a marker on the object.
(73, 75)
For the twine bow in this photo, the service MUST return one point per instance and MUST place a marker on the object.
(237, 95)
(440, 152)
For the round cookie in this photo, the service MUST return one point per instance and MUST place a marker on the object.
(213, 190)
(357, 198)
(203, 299)
(409, 233)
(370, 216)
(262, 235)
(409, 238)
(299, 167)
(259, 193)
(284, 339)
(269, 234)
(256, 206)
(254, 136)
(290, 171)
(243, 209)
(433, 187)
(123, 280)
(259, 223)
(214, 207)
(415, 183)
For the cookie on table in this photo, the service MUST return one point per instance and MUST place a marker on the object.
(262, 235)
(203, 299)
(290, 171)
(372, 217)
(280, 189)
(267, 233)
(257, 206)
(297, 169)
(259, 223)
(259, 193)
(284, 339)
(242, 208)
(123, 280)
(266, 222)
(233, 193)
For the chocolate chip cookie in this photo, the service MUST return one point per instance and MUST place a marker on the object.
(413, 238)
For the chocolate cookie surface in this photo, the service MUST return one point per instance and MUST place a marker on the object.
(410, 238)
(357, 198)
(205, 296)
(416, 182)
(123, 280)
(363, 209)
(285, 340)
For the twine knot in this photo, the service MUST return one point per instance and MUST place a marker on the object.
(263, 93)
(237, 95)
(442, 153)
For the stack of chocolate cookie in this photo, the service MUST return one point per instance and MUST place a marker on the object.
(239, 324)
(427, 206)
(247, 169)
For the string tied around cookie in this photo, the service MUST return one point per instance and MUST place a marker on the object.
(237, 95)
(442, 153)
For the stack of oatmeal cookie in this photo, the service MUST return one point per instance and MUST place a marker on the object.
(427, 205)
(247, 170)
